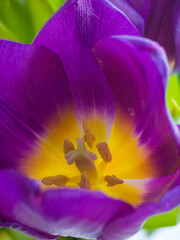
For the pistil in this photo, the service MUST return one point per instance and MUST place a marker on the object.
(84, 181)
(83, 159)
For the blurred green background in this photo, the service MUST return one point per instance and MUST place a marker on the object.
(20, 20)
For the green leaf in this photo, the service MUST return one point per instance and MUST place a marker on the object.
(69, 238)
(4, 235)
(163, 220)
(20, 20)
(14, 17)
(55, 4)
(173, 97)
(39, 12)
(15, 235)
(9, 234)
(5, 33)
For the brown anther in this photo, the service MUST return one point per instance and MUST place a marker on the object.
(89, 138)
(58, 180)
(104, 151)
(84, 181)
(68, 146)
(47, 181)
(113, 180)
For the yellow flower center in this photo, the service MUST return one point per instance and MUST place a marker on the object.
(84, 162)
(91, 155)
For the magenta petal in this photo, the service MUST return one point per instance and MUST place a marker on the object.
(81, 213)
(176, 28)
(136, 70)
(68, 212)
(33, 90)
(71, 33)
(119, 229)
(137, 11)
(159, 25)
(157, 20)
(157, 187)
(19, 205)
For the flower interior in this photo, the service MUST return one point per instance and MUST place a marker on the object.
(84, 155)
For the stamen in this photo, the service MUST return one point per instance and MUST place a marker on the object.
(68, 146)
(59, 180)
(83, 159)
(84, 181)
(104, 151)
(89, 138)
(113, 180)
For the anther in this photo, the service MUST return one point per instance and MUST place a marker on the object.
(113, 180)
(84, 181)
(104, 151)
(89, 138)
(68, 146)
(59, 180)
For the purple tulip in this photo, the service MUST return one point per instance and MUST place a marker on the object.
(158, 20)
(87, 146)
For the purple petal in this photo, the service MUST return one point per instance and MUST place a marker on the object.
(123, 228)
(20, 207)
(176, 28)
(157, 187)
(34, 89)
(71, 33)
(136, 70)
(159, 25)
(81, 213)
(78, 213)
(137, 11)
(68, 212)
(160, 21)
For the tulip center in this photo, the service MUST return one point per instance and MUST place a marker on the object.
(83, 159)
(91, 174)
(91, 156)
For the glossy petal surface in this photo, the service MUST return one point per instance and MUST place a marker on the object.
(71, 33)
(136, 71)
(34, 89)
(157, 20)
(119, 229)
(46, 214)
(176, 28)
(20, 196)
(118, 89)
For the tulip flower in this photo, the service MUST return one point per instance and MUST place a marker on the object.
(157, 20)
(87, 146)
